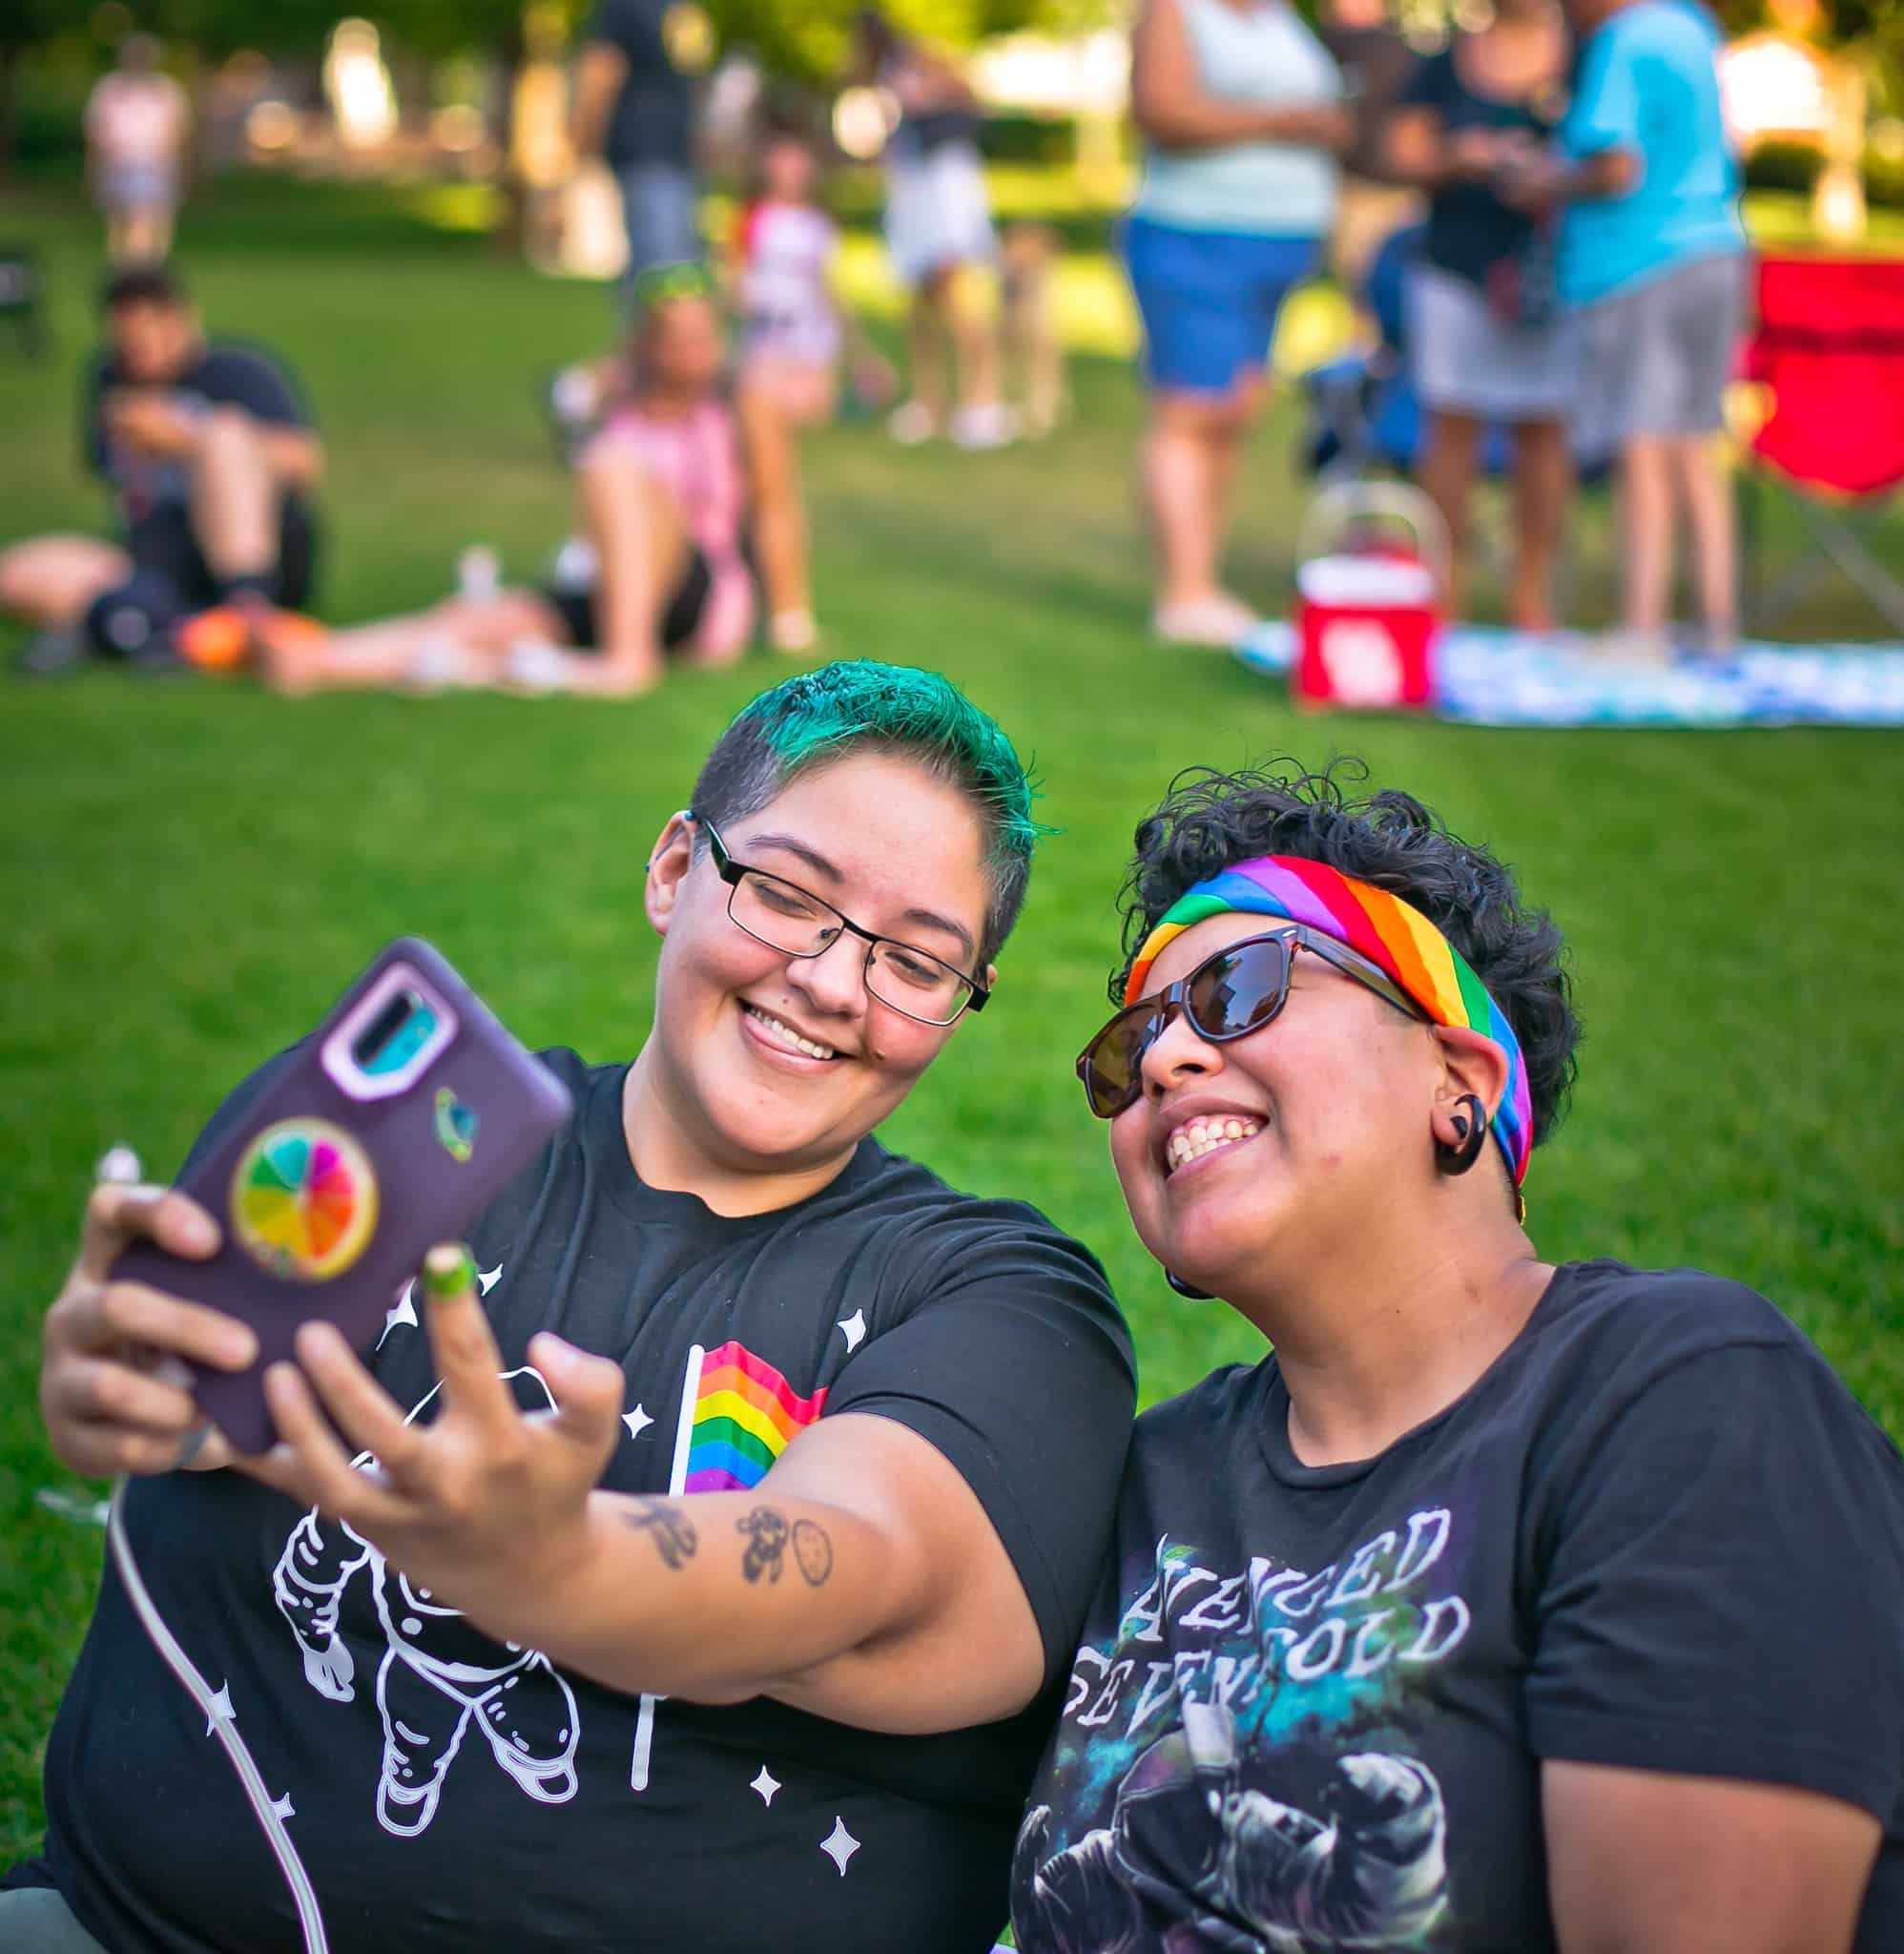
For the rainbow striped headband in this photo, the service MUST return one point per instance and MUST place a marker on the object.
(1388, 931)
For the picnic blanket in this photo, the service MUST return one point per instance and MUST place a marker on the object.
(1489, 676)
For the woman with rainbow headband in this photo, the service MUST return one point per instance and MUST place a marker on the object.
(1504, 1606)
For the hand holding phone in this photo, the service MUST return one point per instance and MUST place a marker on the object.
(114, 1389)
(393, 1125)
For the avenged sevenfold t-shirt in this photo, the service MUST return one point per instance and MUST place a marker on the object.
(1310, 1705)
(446, 1791)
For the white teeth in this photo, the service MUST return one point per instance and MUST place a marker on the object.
(787, 1035)
(1203, 1135)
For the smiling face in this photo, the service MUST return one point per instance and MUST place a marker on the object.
(766, 1066)
(1281, 1146)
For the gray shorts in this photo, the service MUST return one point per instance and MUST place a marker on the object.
(1464, 360)
(34, 1919)
(1659, 356)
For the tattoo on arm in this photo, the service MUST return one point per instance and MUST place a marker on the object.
(766, 1531)
(813, 1550)
(670, 1528)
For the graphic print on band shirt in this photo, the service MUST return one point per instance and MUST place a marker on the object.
(440, 1675)
(1246, 1732)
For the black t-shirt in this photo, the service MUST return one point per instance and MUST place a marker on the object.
(1311, 1703)
(224, 374)
(450, 1791)
(654, 117)
(1470, 230)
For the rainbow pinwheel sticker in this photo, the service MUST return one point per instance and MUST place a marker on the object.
(305, 1199)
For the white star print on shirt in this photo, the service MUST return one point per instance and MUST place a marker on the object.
(839, 1845)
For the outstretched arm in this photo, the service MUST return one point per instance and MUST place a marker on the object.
(860, 1580)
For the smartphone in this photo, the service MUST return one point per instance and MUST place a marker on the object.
(403, 1115)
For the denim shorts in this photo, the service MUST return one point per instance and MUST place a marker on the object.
(1209, 300)
(657, 202)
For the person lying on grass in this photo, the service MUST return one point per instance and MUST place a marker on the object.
(1503, 1606)
(683, 477)
(702, 1582)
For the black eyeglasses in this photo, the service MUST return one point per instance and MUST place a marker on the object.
(1229, 995)
(797, 923)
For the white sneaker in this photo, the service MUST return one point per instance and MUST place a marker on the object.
(983, 427)
(911, 423)
(1219, 623)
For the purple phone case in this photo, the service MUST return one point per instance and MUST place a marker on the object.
(436, 1162)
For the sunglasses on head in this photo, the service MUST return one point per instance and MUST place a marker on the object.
(1229, 995)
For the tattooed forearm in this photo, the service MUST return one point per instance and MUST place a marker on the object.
(670, 1528)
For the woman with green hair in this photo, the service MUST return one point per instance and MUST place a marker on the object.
(698, 1584)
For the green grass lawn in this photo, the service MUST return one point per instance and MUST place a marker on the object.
(192, 870)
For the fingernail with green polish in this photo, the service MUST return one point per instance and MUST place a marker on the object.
(448, 1272)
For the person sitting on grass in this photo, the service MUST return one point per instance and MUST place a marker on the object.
(680, 478)
(716, 1595)
(211, 457)
(1503, 1605)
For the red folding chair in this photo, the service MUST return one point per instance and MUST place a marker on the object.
(1828, 349)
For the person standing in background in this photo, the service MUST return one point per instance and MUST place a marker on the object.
(1651, 247)
(1487, 342)
(1240, 108)
(137, 122)
(1378, 64)
(634, 108)
(939, 227)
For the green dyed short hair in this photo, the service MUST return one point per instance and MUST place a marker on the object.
(859, 705)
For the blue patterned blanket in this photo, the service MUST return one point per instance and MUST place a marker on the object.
(1488, 675)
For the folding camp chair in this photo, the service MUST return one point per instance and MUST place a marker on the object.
(1829, 351)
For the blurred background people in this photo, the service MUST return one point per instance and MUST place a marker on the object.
(210, 455)
(1240, 108)
(669, 492)
(138, 120)
(1032, 351)
(634, 108)
(1652, 248)
(1487, 340)
(795, 333)
(1376, 64)
(938, 229)
(540, 161)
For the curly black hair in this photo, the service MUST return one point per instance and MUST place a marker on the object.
(1208, 820)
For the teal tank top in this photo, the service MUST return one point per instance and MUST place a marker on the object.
(1263, 54)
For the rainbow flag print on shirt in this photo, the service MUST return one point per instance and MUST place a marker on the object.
(745, 1415)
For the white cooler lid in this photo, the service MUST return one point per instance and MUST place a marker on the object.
(1365, 580)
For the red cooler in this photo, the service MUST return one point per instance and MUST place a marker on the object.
(1367, 612)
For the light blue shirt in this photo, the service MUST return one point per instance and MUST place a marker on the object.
(1262, 55)
(1649, 83)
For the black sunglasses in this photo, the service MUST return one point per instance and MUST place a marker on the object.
(1229, 995)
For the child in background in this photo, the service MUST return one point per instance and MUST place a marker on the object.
(794, 330)
(1034, 355)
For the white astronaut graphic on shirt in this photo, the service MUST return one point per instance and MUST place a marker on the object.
(440, 1675)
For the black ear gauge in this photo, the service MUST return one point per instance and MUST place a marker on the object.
(1471, 1128)
(1183, 1288)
